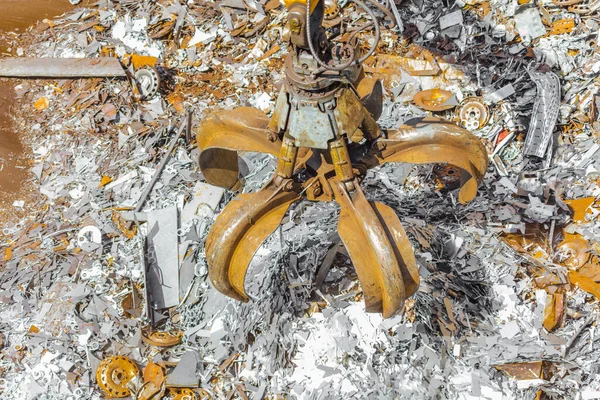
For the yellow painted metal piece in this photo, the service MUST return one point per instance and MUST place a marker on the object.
(585, 283)
(562, 26)
(8, 252)
(580, 207)
(350, 114)
(341, 160)
(433, 140)
(379, 249)
(113, 374)
(554, 312)
(154, 382)
(154, 373)
(105, 181)
(222, 134)
(139, 61)
(182, 394)
(371, 232)
(287, 158)
(163, 339)
(239, 231)
(433, 99)
(577, 249)
(128, 231)
(527, 370)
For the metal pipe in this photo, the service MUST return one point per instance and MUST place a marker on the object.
(157, 173)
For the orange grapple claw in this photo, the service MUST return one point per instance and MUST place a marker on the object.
(326, 127)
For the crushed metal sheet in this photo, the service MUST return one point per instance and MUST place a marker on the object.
(544, 115)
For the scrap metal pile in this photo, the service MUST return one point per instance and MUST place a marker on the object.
(105, 288)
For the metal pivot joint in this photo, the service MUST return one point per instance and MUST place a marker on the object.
(326, 113)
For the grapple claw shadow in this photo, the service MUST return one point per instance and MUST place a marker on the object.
(224, 133)
(320, 112)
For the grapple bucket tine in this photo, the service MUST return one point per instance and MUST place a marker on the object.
(237, 234)
(433, 140)
(222, 134)
(379, 249)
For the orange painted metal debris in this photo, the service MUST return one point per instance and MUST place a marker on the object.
(162, 339)
(555, 311)
(113, 375)
(528, 370)
(585, 283)
(434, 99)
(562, 26)
(42, 103)
(580, 207)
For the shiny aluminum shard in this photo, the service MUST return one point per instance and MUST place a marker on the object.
(325, 135)
(544, 114)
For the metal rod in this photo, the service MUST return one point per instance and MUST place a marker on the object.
(158, 172)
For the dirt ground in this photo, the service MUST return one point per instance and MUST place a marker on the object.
(17, 16)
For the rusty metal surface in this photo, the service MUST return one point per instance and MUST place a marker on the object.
(222, 134)
(26, 67)
(372, 233)
(433, 99)
(239, 231)
(182, 394)
(113, 375)
(332, 9)
(315, 113)
(528, 370)
(154, 373)
(309, 124)
(379, 249)
(370, 91)
(353, 118)
(162, 339)
(281, 113)
(313, 123)
(290, 3)
(555, 311)
(473, 113)
(154, 382)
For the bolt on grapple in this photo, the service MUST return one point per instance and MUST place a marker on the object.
(325, 135)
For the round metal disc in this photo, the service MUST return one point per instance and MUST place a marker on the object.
(113, 374)
(332, 9)
(473, 113)
(148, 81)
(183, 394)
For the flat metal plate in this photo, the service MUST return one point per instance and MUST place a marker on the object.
(310, 126)
(162, 259)
(29, 67)
(184, 374)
